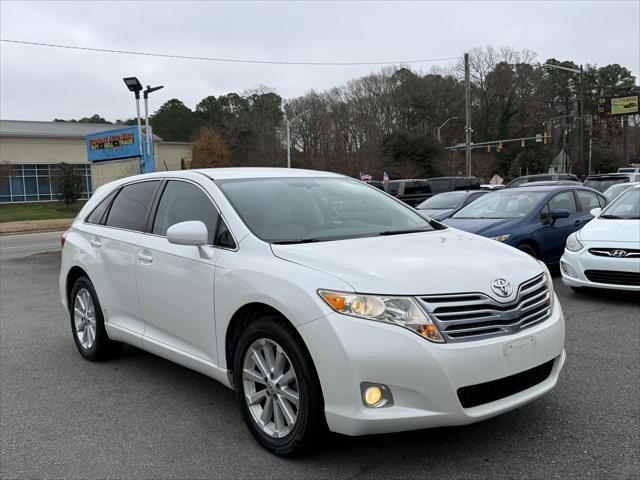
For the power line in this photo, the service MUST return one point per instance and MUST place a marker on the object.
(216, 59)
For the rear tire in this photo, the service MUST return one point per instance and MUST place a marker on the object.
(87, 322)
(286, 416)
(528, 249)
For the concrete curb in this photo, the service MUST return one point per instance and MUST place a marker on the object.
(34, 226)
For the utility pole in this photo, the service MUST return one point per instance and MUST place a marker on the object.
(582, 159)
(625, 139)
(288, 124)
(467, 108)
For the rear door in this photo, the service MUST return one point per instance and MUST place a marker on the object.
(114, 244)
(176, 282)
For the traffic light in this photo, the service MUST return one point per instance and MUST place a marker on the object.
(499, 147)
(488, 148)
(545, 139)
(522, 143)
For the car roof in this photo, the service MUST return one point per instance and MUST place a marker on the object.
(545, 188)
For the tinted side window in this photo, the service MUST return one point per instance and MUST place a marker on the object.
(415, 188)
(129, 209)
(99, 211)
(565, 201)
(393, 188)
(442, 185)
(182, 202)
(461, 184)
(544, 214)
(224, 238)
(602, 201)
(541, 178)
(588, 200)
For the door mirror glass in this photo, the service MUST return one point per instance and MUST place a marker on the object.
(560, 213)
(594, 212)
(188, 233)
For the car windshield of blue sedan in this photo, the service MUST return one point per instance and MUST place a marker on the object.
(302, 210)
(443, 201)
(504, 204)
(625, 207)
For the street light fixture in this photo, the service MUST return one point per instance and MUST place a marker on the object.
(440, 127)
(147, 129)
(288, 123)
(134, 85)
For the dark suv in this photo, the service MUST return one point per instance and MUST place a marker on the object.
(416, 191)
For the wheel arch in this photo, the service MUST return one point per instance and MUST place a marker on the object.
(533, 244)
(73, 274)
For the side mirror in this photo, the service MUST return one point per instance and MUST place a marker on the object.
(560, 213)
(188, 233)
(594, 212)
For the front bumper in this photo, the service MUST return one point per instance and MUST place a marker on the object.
(423, 377)
(583, 260)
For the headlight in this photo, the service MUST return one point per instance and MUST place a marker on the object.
(573, 244)
(403, 311)
(549, 279)
(501, 238)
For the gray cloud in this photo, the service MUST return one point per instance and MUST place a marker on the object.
(43, 83)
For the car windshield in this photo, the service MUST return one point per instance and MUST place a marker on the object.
(626, 206)
(601, 184)
(502, 204)
(300, 210)
(612, 192)
(444, 201)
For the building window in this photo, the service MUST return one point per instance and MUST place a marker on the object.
(36, 182)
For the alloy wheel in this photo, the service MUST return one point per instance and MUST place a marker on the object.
(84, 318)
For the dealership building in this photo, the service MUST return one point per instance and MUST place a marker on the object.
(30, 152)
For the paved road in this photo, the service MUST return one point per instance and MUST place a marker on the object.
(15, 246)
(139, 416)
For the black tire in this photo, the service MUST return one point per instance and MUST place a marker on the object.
(310, 423)
(102, 348)
(528, 249)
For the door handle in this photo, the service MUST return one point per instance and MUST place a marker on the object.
(95, 243)
(144, 258)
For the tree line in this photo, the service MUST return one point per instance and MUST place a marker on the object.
(388, 120)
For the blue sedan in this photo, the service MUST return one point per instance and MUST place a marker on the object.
(536, 220)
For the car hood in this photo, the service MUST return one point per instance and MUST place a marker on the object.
(442, 261)
(483, 226)
(602, 229)
(436, 214)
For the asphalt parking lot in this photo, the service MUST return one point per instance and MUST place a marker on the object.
(139, 416)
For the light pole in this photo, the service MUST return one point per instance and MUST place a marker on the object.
(580, 71)
(440, 127)
(288, 123)
(134, 85)
(147, 130)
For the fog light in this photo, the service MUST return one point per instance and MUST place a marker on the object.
(376, 395)
(568, 269)
(372, 396)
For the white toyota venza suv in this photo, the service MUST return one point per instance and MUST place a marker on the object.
(324, 302)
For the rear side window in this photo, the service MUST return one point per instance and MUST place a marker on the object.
(130, 207)
(182, 202)
(461, 184)
(441, 185)
(564, 201)
(588, 200)
(98, 213)
(416, 188)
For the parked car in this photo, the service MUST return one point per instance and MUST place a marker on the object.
(322, 301)
(543, 177)
(410, 191)
(615, 190)
(536, 220)
(442, 205)
(490, 186)
(604, 181)
(606, 252)
(550, 183)
(450, 184)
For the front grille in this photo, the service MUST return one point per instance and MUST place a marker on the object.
(620, 252)
(473, 316)
(482, 393)
(613, 277)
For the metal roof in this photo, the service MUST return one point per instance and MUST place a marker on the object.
(27, 128)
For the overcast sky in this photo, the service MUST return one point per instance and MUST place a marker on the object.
(38, 83)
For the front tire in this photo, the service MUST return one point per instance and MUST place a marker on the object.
(277, 387)
(87, 322)
(528, 249)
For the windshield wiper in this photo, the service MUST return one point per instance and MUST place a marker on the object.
(616, 217)
(297, 240)
(400, 232)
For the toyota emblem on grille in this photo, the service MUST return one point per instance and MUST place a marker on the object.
(501, 287)
(619, 253)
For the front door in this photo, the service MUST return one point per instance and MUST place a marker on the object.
(176, 282)
(555, 232)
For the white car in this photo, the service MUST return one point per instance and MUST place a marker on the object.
(606, 252)
(615, 190)
(323, 301)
